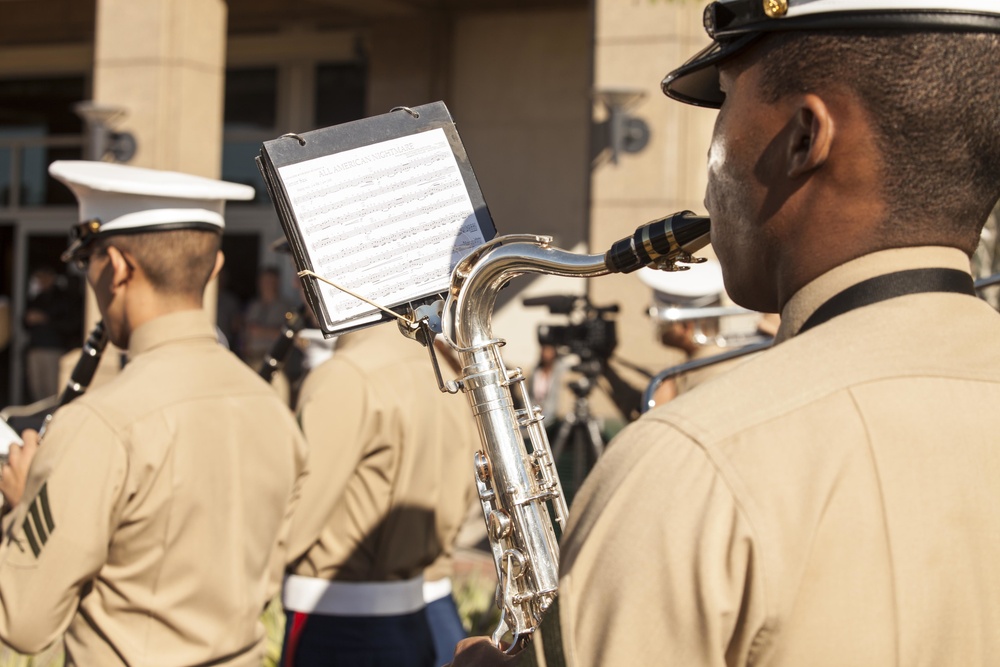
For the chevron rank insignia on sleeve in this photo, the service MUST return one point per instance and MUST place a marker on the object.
(38, 524)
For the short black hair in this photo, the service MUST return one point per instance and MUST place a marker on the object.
(934, 99)
(177, 262)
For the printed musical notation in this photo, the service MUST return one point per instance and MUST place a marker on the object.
(389, 220)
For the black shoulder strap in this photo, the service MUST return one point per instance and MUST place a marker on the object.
(550, 653)
(552, 640)
(888, 286)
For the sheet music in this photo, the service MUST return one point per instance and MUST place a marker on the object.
(388, 220)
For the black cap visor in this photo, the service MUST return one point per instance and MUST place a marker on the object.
(697, 81)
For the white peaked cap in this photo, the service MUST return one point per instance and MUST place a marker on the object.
(804, 7)
(118, 199)
(133, 198)
(700, 281)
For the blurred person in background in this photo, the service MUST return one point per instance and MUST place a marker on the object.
(389, 488)
(52, 319)
(678, 296)
(264, 317)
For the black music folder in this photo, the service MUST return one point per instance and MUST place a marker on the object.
(385, 206)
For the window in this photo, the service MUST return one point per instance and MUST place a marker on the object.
(37, 126)
(250, 118)
(340, 93)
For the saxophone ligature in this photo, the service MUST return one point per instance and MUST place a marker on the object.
(519, 488)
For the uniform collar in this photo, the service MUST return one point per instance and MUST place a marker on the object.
(185, 324)
(805, 302)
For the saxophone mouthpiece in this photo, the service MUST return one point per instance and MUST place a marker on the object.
(660, 244)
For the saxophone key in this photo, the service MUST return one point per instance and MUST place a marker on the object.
(482, 463)
(500, 524)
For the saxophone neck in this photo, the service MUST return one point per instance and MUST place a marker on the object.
(480, 276)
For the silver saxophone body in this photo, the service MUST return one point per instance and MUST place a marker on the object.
(518, 485)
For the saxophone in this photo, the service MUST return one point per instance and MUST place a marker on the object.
(516, 475)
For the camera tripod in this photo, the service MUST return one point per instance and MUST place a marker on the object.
(579, 429)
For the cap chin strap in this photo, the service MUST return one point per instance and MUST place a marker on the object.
(161, 227)
(82, 241)
(883, 19)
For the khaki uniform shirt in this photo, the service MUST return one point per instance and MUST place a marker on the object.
(153, 524)
(672, 387)
(692, 379)
(833, 501)
(381, 503)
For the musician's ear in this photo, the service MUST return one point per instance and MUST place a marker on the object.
(220, 261)
(122, 267)
(810, 136)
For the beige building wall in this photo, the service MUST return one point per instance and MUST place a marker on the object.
(408, 63)
(636, 43)
(519, 91)
(163, 63)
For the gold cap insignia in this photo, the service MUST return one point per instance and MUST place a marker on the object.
(775, 8)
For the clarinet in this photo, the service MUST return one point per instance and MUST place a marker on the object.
(275, 359)
(79, 380)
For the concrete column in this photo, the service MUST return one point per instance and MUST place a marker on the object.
(521, 82)
(635, 44)
(163, 62)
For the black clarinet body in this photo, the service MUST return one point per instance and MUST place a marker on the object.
(276, 356)
(79, 380)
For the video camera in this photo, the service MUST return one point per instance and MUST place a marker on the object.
(591, 335)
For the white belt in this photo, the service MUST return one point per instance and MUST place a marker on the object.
(353, 598)
(435, 590)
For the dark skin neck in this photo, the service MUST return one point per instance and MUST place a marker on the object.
(815, 195)
(830, 187)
